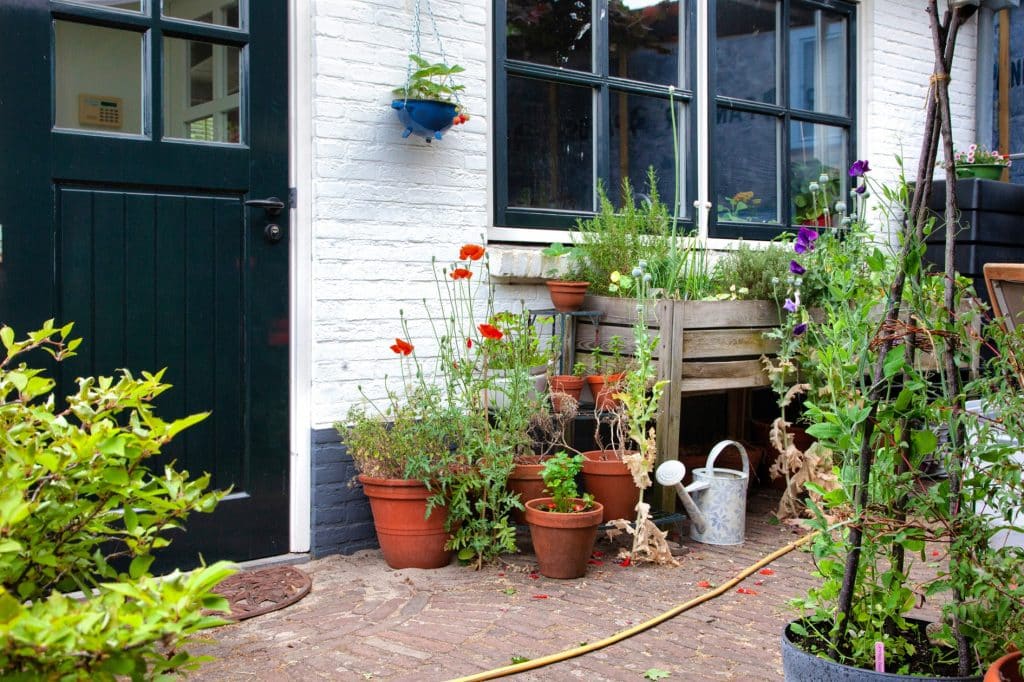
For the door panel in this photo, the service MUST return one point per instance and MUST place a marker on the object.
(145, 242)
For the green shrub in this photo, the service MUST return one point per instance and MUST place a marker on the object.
(76, 495)
(761, 271)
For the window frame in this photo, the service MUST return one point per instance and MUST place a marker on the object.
(529, 225)
(783, 114)
(602, 84)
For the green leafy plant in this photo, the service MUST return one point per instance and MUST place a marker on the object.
(80, 509)
(735, 208)
(760, 271)
(430, 81)
(980, 154)
(559, 475)
(610, 360)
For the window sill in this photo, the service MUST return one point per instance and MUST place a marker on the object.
(512, 264)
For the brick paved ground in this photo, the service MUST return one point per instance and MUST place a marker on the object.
(363, 620)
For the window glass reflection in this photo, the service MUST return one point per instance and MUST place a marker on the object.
(746, 167)
(556, 32)
(216, 12)
(641, 138)
(746, 49)
(201, 94)
(644, 41)
(817, 154)
(550, 145)
(817, 60)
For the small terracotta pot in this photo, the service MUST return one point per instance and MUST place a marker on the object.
(562, 385)
(525, 481)
(563, 543)
(606, 477)
(604, 387)
(1005, 669)
(567, 296)
(408, 537)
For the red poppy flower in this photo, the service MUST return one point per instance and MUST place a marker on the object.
(490, 332)
(746, 590)
(401, 347)
(625, 563)
(461, 273)
(766, 571)
(471, 252)
(704, 583)
(469, 343)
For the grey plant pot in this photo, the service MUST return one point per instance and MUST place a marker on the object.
(800, 666)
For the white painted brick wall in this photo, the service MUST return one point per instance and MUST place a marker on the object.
(383, 206)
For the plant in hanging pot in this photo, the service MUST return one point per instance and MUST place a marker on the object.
(563, 527)
(428, 103)
(978, 162)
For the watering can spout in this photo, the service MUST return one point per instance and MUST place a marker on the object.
(671, 473)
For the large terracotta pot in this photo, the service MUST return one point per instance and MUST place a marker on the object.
(1005, 669)
(563, 543)
(525, 481)
(606, 477)
(563, 385)
(407, 537)
(567, 296)
(604, 387)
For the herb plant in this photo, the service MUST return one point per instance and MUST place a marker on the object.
(431, 81)
(559, 475)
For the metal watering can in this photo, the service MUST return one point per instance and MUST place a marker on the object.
(718, 507)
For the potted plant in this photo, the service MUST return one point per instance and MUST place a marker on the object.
(565, 389)
(566, 292)
(607, 371)
(978, 162)
(428, 103)
(563, 527)
(547, 432)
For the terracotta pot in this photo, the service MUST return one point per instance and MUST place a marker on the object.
(525, 481)
(604, 387)
(1005, 669)
(563, 543)
(607, 478)
(407, 537)
(567, 296)
(562, 385)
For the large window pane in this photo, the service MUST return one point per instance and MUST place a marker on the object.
(746, 167)
(746, 49)
(644, 41)
(816, 151)
(817, 60)
(555, 32)
(201, 95)
(550, 145)
(217, 12)
(98, 78)
(641, 137)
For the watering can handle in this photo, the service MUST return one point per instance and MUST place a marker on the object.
(715, 451)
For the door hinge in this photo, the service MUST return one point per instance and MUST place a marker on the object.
(292, 197)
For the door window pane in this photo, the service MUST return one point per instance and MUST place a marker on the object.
(201, 94)
(130, 5)
(746, 167)
(746, 50)
(816, 151)
(641, 137)
(97, 78)
(817, 60)
(550, 145)
(644, 41)
(556, 33)
(217, 12)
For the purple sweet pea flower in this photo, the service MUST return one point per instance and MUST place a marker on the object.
(796, 268)
(859, 168)
(800, 329)
(861, 189)
(805, 240)
(791, 306)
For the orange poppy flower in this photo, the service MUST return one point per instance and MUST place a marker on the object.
(471, 252)
(490, 332)
(401, 347)
(461, 273)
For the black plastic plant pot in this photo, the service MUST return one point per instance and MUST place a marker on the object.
(801, 666)
(424, 118)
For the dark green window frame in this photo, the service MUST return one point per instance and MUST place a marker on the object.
(603, 85)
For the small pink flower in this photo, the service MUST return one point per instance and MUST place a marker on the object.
(973, 148)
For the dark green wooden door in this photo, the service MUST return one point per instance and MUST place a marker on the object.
(132, 135)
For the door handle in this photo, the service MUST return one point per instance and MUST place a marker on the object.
(272, 205)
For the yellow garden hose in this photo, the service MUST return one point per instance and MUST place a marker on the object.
(637, 629)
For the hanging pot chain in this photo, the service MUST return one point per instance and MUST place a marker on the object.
(416, 44)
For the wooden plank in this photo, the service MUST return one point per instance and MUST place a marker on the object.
(590, 338)
(724, 343)
(714, 314)
(717, 385)
(730, 369)
(619, 311)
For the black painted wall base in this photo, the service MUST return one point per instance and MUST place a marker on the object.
(341, 520)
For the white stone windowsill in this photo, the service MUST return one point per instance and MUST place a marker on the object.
(522, 264)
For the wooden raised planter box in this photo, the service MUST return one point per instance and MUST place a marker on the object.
(703, 347)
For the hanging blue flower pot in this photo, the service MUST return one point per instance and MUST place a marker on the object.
(428, 119)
